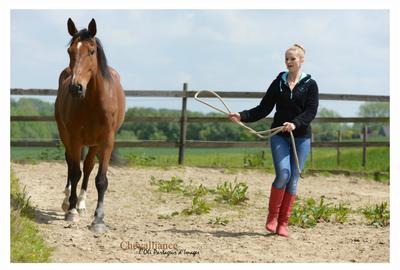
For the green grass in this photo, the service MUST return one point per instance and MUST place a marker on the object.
(351, 159)
(26, 243)
(230, 158)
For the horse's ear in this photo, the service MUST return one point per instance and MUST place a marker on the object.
(71, 27)
(92, 28)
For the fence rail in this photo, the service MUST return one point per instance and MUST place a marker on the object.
(182, 143)
(195, 144)
(223, 94)
(199, 119)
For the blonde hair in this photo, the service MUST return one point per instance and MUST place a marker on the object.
(298, 48)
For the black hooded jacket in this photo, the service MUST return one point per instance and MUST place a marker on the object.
(298, 106)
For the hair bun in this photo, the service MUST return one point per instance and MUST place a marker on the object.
(300, 47)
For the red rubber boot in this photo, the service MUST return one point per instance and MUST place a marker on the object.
(284, 214)
(275, 201)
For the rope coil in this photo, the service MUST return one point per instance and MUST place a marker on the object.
(270, 132)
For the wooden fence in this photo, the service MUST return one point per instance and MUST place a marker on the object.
(184, 120)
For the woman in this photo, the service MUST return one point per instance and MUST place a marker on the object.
(295, 96)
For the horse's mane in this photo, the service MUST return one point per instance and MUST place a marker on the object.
(101, 57)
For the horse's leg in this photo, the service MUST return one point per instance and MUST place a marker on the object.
(98, 225)
(87, 169)
(75, 154)
(67, 191)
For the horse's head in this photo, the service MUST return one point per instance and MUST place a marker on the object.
(84, 53)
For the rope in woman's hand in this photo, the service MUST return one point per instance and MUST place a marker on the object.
(269, 132)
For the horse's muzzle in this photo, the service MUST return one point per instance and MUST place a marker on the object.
(77, 90)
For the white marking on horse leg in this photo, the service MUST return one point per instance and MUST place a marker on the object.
(81, 201)
(65, 204)
(73, 211)
(72, 215)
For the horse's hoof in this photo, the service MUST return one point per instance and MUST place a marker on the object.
(72, 215)
(65, 207)
(98, 227)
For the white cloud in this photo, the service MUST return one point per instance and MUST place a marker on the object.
(224, 49)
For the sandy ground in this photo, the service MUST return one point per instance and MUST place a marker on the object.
(132, 208)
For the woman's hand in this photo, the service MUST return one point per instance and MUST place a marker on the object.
(288, 127)
(234, 117)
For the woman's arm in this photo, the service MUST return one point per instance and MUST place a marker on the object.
(264, 108)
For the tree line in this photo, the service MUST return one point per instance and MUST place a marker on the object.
(224, 131)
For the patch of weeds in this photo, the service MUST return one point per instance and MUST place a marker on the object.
(381, 177)
(341, 212)
(232, 194)
(308, 214)
(199, 206)
(218, 221)
(175, 184)
(188, 189)
(378, 215)
(20, 203)
(254, 160)
(141, 160)
(201, 190)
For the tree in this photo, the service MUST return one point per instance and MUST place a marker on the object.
(326, 131)
(373, 109)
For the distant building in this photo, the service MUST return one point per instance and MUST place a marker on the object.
(385, 131)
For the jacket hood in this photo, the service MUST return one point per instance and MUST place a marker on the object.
(303, 78)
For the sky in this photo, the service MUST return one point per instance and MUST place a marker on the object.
(347, 51)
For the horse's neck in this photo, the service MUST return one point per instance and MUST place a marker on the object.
(97, 89)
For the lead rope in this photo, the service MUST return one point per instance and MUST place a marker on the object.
(270, 132)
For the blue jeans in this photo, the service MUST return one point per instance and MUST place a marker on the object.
(286, 170)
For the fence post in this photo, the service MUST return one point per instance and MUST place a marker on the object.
(364, 152)
(182, 140)
(339, 139)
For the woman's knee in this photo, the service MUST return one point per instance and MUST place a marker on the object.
(281, 179)
(291, 188)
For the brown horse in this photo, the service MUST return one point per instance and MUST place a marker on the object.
(89, 109)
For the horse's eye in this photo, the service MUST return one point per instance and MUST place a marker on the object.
(92, 52)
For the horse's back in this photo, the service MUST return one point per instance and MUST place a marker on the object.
(120, 96)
